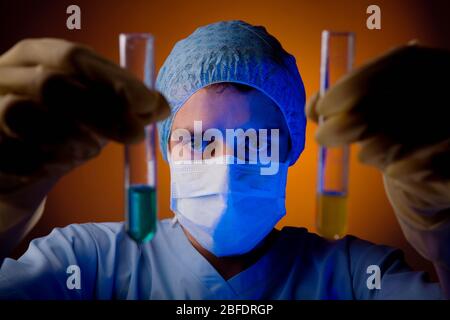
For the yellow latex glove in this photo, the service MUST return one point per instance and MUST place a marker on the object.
(59, 103)
(396, 108)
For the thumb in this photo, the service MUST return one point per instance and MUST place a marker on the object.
(310, 107)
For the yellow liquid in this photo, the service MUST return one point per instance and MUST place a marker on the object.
(331, 215)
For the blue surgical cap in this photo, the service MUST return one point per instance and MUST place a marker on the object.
(237, 52)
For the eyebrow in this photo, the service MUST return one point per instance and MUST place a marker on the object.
(190, 129)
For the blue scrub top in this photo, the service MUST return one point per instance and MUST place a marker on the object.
(299, 265)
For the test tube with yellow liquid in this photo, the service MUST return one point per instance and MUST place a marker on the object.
(332, 186)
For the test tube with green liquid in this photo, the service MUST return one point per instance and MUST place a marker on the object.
(332, 187)
(136, 55)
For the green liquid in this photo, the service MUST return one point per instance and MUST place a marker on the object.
(141, 215)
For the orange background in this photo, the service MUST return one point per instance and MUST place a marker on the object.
(94, 191)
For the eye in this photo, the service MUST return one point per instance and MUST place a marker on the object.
(257, 145)
(265, 144)
(199, 145)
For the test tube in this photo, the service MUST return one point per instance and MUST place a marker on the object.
(136, 55)
(332, 188)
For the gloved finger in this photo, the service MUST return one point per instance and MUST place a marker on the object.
(8, 102)
(148, 105)
(19, 116)
(23, 158)
(82, 146)
(378, 150)
(341, 129)
(50, 52)
(19, 157)
(310, 107)
(73, 58)
(38, 82)
(426, 163)
(31, 136)
(428, 199)
(25, 119)
(16, 80)
(347, 92)
(97, 105)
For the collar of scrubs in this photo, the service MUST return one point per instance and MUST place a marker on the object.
(251, 283)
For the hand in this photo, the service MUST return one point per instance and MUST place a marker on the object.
(396, 108)
(59, 104)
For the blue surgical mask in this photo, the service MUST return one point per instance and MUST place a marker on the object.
(227, 207)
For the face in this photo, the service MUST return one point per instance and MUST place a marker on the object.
(228, 109)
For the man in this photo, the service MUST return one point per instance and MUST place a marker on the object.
(222, 244)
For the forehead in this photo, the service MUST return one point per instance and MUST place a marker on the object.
(229, 108)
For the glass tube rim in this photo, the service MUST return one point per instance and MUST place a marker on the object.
(136, 35)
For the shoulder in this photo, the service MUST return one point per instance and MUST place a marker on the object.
(77, 235)
(100, 232)
(74, 243)
(103, 236)
(42, 271)
(356, 251)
